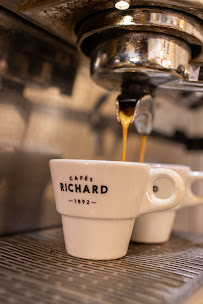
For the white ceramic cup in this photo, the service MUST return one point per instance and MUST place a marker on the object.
(157, 227)
(99, 201)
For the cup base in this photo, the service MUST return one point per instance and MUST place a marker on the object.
(153, 228)
(97, 239)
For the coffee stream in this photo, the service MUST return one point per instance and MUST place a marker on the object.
(142, 149)
(126, 117)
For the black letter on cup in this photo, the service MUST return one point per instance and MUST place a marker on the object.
(69, 187)
(77, 188)
(104, 189)
(86, 189)
(62, 189)
(94, 189)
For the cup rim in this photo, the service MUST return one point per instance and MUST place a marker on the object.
(101, 162)
(169, 166)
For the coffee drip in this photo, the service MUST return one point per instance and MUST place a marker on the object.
(142, 148)
(126, 116)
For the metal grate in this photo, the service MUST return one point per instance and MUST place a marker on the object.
(35, 268)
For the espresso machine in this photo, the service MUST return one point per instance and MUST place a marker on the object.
(67, 67)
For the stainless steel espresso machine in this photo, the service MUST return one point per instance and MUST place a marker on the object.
(67, 67)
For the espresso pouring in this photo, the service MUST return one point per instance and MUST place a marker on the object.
(143, 147)
(126, 118)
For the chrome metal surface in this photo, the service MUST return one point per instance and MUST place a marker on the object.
(29, 56)
(138, 57)
(133, 46)
(145, 115)
(184, 85)
(194, 73)
(163, 21)
(60, 17)
(35, 268)
(24, 179)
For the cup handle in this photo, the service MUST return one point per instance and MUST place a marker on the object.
(192, 199)
(152, 203)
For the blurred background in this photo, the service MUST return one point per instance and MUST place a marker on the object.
(50, 108)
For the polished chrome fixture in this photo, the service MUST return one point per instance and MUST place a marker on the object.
(138, 50)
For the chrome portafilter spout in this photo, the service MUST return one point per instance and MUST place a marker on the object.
(140, 101)
(145, 115)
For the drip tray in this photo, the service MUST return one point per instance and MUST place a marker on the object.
(35, 268)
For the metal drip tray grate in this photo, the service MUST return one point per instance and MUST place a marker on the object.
(35, 268)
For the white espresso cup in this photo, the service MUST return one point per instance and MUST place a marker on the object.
(157, 227)
(99, 201)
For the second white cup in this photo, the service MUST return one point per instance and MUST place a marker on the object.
(157, 227)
